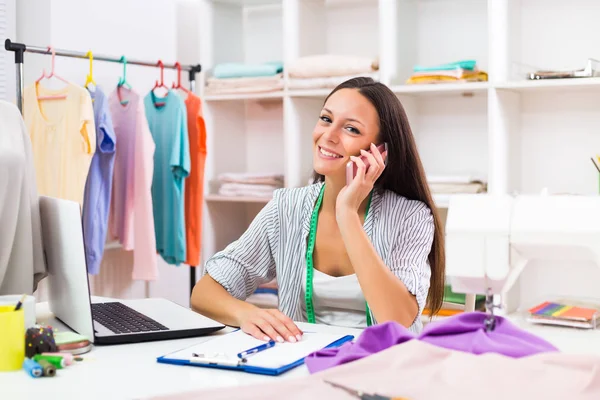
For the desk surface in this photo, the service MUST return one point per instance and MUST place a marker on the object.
(131, 371)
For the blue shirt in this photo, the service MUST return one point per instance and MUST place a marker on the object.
(96, 197)
(168, 125)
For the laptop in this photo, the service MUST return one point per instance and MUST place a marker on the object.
(115, 322)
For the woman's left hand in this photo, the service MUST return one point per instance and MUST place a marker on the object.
(351, 196)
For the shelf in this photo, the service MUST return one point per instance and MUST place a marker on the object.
(243, 96)
(551, 84)
(216, 198)
(453, 89)
(434, 89)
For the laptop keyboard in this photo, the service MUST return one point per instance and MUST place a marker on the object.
(119, 318)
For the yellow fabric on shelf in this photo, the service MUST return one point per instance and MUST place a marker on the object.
(467, 76)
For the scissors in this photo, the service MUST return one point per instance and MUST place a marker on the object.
(362, 395)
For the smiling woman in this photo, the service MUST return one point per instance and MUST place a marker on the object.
(348, 254)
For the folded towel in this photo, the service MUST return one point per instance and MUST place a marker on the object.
(447, 188)
(247, 89)
(465, 76)
(325, 65)
(249, 192)
(256, 181)
(246, 185)
(328, 82)
(250, 186)
(248, 176)
(465, 64)
(451, 179)
(244, 85)
(241, 70)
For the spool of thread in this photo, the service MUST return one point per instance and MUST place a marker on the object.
(68, 358)
(34, 369)
(49, 369)
(57, 361)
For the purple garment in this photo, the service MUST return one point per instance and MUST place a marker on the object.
(462, 332)
(96, 198)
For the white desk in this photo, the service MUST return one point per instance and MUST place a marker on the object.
(131, 371)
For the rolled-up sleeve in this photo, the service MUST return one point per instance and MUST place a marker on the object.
(249, 261)
(409, 256)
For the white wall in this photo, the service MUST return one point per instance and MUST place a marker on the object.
(138, 29)
(8, 29)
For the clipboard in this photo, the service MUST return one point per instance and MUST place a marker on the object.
(274, 361)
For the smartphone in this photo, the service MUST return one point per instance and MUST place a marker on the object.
(351, 167)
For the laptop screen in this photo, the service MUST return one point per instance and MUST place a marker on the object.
(68, 284)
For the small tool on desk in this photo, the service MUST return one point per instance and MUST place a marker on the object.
(244, 354)
(362, 395)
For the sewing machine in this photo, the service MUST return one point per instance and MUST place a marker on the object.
(523, 250)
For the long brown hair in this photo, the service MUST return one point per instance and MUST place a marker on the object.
(404, 173)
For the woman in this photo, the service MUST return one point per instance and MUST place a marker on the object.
(348, 255)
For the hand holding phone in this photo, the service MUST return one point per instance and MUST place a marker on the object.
(352, 168)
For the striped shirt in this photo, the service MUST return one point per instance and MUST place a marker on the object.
(274, 245)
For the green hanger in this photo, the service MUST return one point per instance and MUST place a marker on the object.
(123, 79)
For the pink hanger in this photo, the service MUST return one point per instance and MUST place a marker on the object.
(51, 75)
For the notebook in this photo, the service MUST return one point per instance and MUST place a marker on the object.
(223, 352)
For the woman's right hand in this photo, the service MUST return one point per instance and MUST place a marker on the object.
(267, 324)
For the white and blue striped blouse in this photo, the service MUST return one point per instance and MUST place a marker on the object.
(401, 230)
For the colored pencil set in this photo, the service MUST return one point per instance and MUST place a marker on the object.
(552, 313)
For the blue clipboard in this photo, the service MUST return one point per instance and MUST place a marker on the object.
(249, 368)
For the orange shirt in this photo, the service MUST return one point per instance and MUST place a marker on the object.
(194, 184)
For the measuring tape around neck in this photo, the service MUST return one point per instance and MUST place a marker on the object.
(312, 236)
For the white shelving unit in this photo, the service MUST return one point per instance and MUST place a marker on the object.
(517, 135)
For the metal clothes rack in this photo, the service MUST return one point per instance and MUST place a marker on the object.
(20, 49)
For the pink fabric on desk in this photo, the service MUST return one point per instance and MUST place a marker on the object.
(131, 219)
(420, 371)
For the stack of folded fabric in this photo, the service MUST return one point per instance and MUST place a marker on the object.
(455, 184)
(329, 70)
(245, 78)
(249, 184)
(460, 71)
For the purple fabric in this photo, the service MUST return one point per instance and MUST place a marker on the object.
(463, 332)
(98, 186)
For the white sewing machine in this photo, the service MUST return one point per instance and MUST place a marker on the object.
(527, 249)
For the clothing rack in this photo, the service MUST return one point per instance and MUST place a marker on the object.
(20, 49)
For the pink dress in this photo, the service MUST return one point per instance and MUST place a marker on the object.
(131, 219)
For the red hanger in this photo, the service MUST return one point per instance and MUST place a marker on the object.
(160, 84)
(178, 84)
(51, 75)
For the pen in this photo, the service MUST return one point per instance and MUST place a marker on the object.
(20, 303)
(595, 165)
(256, 349)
